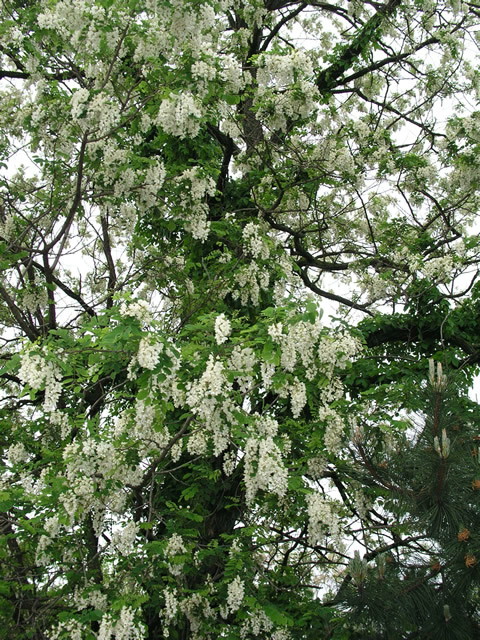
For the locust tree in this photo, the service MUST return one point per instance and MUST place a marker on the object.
(191, 447)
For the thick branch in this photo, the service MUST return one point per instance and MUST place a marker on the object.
(327, 79)
(30, 331)
(332, 296)
(107, 249)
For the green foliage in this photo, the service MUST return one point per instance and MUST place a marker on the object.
(191, 446)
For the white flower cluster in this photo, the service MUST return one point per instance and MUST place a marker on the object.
(179, 115)
(334, 429)
(32, 299)
(340, 160)
(233, 76)
(139, 310)
(201, 394)
(267, 371)
(192, 205)
(336, 350)
(102, 112)
(65, 17)
(124, 628)
(291, 105)
(7, 227)
(322, 519)
(282, 71)
(127, 217)
(196, 608)
(243, 360)
(148, 353)
(264, 468)
(303, 343)
(439, 269)
(254, 242)
(17, 453)
(171, 604)
(187, 29)
(78, 102)
(298, 397)
(285, 88)
(298, 344)
(203, 71)
(71, 629)
(223, 329)
(235, 594)
(153, 182)
(37, 371)
(124, 539)
(145, 427)
(250, 281)
(257, 625)
(90, 595)
(175, 547)
(91, 467)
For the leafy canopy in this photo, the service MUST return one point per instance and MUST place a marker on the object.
(191, 448)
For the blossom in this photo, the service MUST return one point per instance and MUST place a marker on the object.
(37, 371)
(149, 353)
(235, 594)
(298, 397)
(223, 329)
(179, 115)
(322, 518)
(78, 101)
(17, 453)
(138, 309)
(264, 468)
(125, 538)
(255, 244)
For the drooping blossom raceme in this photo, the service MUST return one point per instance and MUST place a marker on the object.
(202, 393)
(264, 467)
(298, 397)
(38, 371)
(179, 115)
(254, 242)
(223, 329)
(149, 353)
(171, 605)
(122, 628)
(244, 361)
(235, 594)
(17, 453)
(140, 309)
(124, 539)
(323, 519)
(192, 205)
(175, 547)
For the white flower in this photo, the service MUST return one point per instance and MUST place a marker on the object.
(255, 244)
(139, 310)
(171, 604)
(264, 468)
(78, 100)
(35, 371)
(149, 353)
(275, 331)
(223, 329)
(179, 116)
(175, 547)
(322, 518)
(125, 538)
(17, 453)
(235, 594)
(298, 397)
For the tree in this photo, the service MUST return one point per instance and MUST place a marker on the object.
(187, 451)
